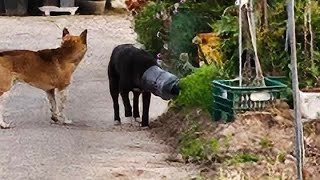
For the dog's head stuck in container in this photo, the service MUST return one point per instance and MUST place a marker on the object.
(161, 83)
(134, 69)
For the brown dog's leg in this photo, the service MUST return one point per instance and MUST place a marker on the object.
(5, 85)
(53, 105)
(57, 101)
(3, 97)
(62, 100)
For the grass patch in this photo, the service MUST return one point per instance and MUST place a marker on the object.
(243, 158)
(194, 147)
(265, 143)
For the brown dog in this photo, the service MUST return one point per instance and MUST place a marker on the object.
(48, 69)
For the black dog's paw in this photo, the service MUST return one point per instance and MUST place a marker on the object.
(117, 123)
(137, 119)
(144, 128)
(143, 125)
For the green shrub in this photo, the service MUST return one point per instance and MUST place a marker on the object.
(191, 18)
(243, 158)
(196, 88)
(190, 144)
(185, 26)
(227, 29)
(146, 25)
(273, 57)
(199, 148)
(265, 142)
(193, 146)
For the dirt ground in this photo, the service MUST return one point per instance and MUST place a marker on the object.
(256, 145)
(92, 148)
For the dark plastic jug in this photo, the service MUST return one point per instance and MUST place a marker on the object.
(16, 7)
(2, 9)
(50, 3)
(66, 3)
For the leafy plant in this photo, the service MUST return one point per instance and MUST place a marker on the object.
(281, 157)
(196, 148)
(191, 145)
(185, 26)
(227, 29)
(271, 43)
(243, 158)
(196, 88)
(190, 18)
(214, 145)
(193, 148)
(146, 25)
(265, 143)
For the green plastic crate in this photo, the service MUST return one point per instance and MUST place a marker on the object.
(229, 98)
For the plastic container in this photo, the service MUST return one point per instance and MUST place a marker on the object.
(229, 98)
(2, 8)
(67, 3)
(50, 3)
(16, 7)
(95, 7)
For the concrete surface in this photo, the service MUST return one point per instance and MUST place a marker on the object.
(92, 148)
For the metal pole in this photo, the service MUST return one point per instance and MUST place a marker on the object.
(240, 43)
(295, 87)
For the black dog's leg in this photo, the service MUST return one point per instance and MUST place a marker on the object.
(114, 91)
(146, 96)
(136, 113)
(126, 103)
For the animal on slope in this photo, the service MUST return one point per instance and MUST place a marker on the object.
(134, 70)
(48, 69)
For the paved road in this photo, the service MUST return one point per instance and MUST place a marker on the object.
(92, 148)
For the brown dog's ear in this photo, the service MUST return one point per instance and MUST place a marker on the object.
(83, 36)
(65, 32)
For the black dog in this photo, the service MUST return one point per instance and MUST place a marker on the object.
(133, 69)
